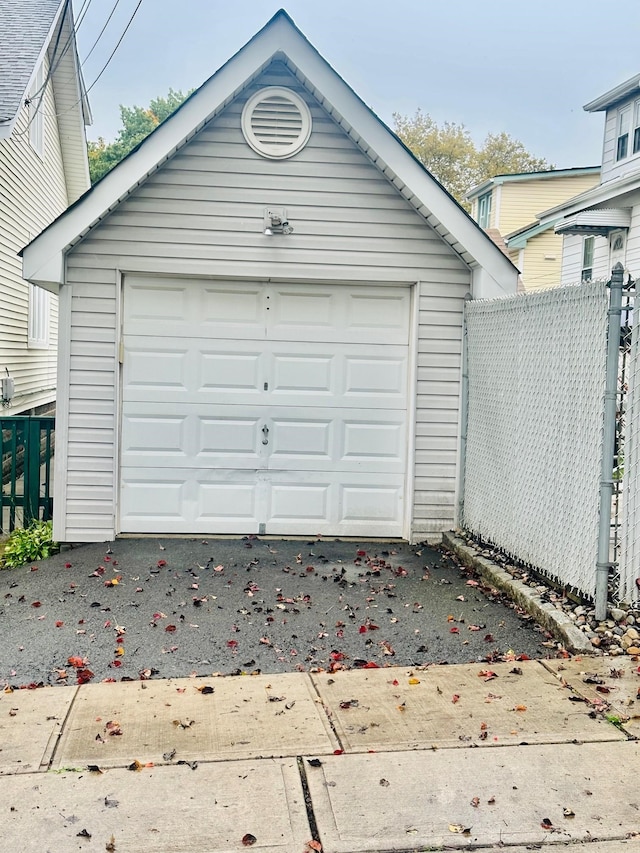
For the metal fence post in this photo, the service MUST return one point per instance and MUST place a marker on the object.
(608, 441)
(464, 419)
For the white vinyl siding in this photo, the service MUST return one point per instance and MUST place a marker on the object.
(36, 112)
(33, 194)
(621, 147)
(201, 214)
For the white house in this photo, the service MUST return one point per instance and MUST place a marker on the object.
(602, 225)
(261, 316)
(43, 168)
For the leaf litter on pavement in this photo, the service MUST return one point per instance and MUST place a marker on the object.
(250, 606)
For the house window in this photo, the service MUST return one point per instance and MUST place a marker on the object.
(622, 145)
(636, 127)
(36, 112)
(587, 259)
(39, 309)
(484, 210)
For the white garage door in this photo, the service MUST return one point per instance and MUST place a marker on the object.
(263, 408)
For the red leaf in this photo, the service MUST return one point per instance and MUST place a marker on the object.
(371, 665)
(36, 604)
(67, 565)
(338, 751)
(115, 663)
(76, 661)
(170, 629)
(84, 675)
(455, 698)
(361, 553)
(161, 563)
(337, 655)
(362, 629)
(59, 624)
(232, 644)
(454, 630)
(248, 839)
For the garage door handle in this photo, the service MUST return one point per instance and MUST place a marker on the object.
(265, 433)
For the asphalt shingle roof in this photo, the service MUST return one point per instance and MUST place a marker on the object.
(24, 26)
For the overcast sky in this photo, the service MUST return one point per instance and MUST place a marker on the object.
(523, 67)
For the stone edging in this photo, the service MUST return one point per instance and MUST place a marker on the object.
(546, 614)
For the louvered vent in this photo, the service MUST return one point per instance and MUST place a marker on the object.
(276, 123)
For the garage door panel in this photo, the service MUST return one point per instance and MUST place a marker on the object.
(346, 439)
(181, 308)
(156, 369)
(297, 501)
(188, 500)
(339, 314)
(153, 437)
(228, 372)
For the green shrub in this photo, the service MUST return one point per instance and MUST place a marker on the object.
(28, 544)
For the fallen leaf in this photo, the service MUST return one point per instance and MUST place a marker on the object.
(84, 833)
(314, 762)
(568, 812)
(414, 681)
(248, 839)
(314, 845)
(111, 845)
(385, 783)
(113, 728)
(455, 698)
(475, 802)
(520, 708)
(206, 689)
(135, 765)
(170, 629)
(459, 828)
(36, 604)
(59, 624)
(546, 823)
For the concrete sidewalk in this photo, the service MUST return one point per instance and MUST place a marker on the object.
(390, 759)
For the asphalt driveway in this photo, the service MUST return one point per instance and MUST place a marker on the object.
(167, 608)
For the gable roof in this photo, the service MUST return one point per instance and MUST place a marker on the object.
(26, 29)
(278, 39)
(30, 29)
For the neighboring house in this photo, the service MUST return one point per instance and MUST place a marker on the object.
(261, 318)
(506, 205)
(43, 169)
(602, 226)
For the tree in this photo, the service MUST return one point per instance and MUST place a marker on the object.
(449, 153)
(137, 124)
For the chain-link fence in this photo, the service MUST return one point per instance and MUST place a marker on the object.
(536, 366)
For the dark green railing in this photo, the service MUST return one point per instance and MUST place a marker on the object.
(26, 445)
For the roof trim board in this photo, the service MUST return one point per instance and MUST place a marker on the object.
(518, 239)
(43, 258)
(613, 96)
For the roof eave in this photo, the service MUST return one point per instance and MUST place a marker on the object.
(613, 96)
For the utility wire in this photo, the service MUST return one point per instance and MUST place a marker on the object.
(115, 6)
(102, 70)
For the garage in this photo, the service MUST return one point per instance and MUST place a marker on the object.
(261, 319)
(252, 407)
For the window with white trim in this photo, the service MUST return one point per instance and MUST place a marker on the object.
(39, 312)
(36, 112)
(587, 258)
(622, 144)
(636, 127)
(484, 210)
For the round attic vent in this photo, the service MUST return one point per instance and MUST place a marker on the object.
(276, 122)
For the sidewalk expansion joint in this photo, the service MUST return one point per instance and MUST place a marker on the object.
(311, 817)
(327, 712)
(61, 729)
